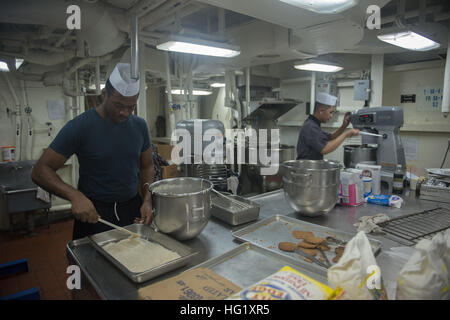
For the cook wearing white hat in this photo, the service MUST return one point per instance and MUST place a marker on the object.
(121, 94)
(313, 142)
(114, 153)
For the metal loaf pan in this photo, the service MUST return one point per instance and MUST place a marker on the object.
(225, 210)
(186, 253)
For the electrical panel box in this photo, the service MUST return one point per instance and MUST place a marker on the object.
(329, 87)
(361, 90)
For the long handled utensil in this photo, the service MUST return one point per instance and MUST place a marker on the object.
(370, 134)
(134, 235)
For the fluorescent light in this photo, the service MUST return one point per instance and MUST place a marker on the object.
(409, 40)
(217, 85)
(3, 66)
(18, 63)
(317, 66)
(194, 92)
(197, 46)
(323, 6)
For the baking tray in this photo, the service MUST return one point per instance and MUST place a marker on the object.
(225, 210)
(269, 232)
(101, 239)
(247, 264)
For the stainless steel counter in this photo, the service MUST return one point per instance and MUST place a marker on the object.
(103, 279)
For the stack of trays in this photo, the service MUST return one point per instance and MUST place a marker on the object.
(235, 212)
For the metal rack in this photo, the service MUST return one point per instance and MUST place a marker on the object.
(412, 228)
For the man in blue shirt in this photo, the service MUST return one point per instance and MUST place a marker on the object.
(313, 142)
(115, 157)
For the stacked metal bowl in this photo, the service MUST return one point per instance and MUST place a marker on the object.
(311, 186)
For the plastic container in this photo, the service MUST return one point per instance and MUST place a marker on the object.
(397, 183)
(9, 153)
(367, 186)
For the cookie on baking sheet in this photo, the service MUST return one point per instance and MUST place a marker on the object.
(311, 252)
(287, 246)
(302, 234)
(307, 245)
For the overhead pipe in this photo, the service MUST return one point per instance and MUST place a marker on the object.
(169, 97)
(313, 93)
(29, 136)
(134, 47)
(446, 95)
(247, 90)
(18, 125)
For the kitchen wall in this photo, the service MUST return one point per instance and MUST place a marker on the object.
(426, 132)
(38, 97)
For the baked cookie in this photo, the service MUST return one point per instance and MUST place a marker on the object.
(302, 234)
(311, 252)
(306, 245)
(287, 246)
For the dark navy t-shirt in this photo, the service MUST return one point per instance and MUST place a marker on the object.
(311, 140)
(108, 154)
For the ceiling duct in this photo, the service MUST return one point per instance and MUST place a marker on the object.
(98, 29)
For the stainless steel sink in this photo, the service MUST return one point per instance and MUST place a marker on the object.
(18, 191)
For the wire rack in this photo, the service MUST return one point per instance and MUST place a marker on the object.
(412, 228)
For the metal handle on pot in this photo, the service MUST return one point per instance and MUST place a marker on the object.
(306, 176)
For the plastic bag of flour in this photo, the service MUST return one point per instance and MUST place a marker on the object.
(426, 275)
(288, 284)
(357, 272)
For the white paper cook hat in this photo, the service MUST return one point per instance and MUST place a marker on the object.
(326, 98)
(121, 80)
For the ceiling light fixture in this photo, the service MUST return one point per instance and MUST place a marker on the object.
(323, 6)
(198, 46)
(4, 66)
(217, 85)
(19, 62)
(311, 65)
(409, 40)
(195, 92)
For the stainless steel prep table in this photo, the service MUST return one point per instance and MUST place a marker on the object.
(109, 283)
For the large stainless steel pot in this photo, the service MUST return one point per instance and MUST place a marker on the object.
(354, 154)
(181, 206)
(311, 186)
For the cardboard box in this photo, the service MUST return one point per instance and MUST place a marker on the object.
(196, 284)
(169, 171)
(165, 150)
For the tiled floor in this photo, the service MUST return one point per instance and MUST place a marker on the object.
(46, 255)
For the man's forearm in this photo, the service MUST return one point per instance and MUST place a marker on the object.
(333, 144)
(338, 132)
(147, 175)
(48, 179)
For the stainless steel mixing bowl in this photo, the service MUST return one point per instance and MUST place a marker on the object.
(181, 206)
(311, 186)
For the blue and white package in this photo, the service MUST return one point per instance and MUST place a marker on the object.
(385, 200)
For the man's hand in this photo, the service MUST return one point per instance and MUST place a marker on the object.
(346, 120)
(351, 133)
(83, 209)
(146, 213)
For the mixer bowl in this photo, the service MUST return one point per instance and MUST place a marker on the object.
(311, 187)
(181, 206)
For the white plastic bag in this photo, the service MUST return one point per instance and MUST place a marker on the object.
(426, 276)
(357, 272)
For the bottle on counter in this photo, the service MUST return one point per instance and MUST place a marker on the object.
(397, 184)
